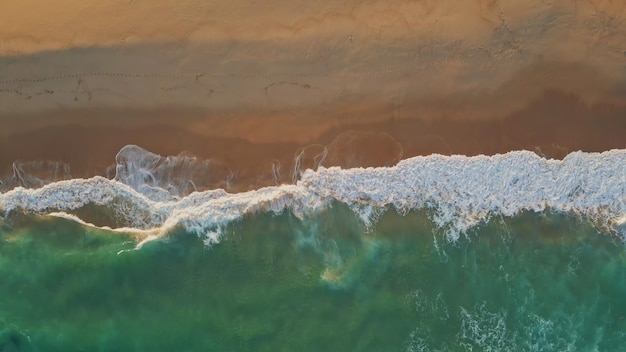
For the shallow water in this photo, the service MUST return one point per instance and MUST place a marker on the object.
(533, 282)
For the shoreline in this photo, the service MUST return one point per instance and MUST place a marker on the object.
(552, 126)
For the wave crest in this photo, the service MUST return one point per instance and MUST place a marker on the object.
(461, 191)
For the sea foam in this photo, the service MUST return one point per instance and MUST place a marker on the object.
(460, 191)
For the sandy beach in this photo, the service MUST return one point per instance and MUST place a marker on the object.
(252, 86)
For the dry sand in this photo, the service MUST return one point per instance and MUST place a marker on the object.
(249, 84)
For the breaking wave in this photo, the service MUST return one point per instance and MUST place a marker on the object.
(459, 192)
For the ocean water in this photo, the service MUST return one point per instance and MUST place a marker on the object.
(510, 252)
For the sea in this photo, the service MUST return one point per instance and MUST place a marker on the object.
(508, 252)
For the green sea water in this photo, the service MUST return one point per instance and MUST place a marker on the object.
(535, 282)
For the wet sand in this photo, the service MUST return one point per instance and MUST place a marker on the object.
(552, 125)
(252, 87)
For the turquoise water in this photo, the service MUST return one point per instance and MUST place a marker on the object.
(534, 282)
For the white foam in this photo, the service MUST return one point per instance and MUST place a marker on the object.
(466, 190)
(200, 212)
(165, 178)
(462, 191)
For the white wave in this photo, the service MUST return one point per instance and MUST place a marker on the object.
(200, 212)
(466, 190)
(462, 191)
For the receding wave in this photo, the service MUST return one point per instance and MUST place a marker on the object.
(459, 192)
